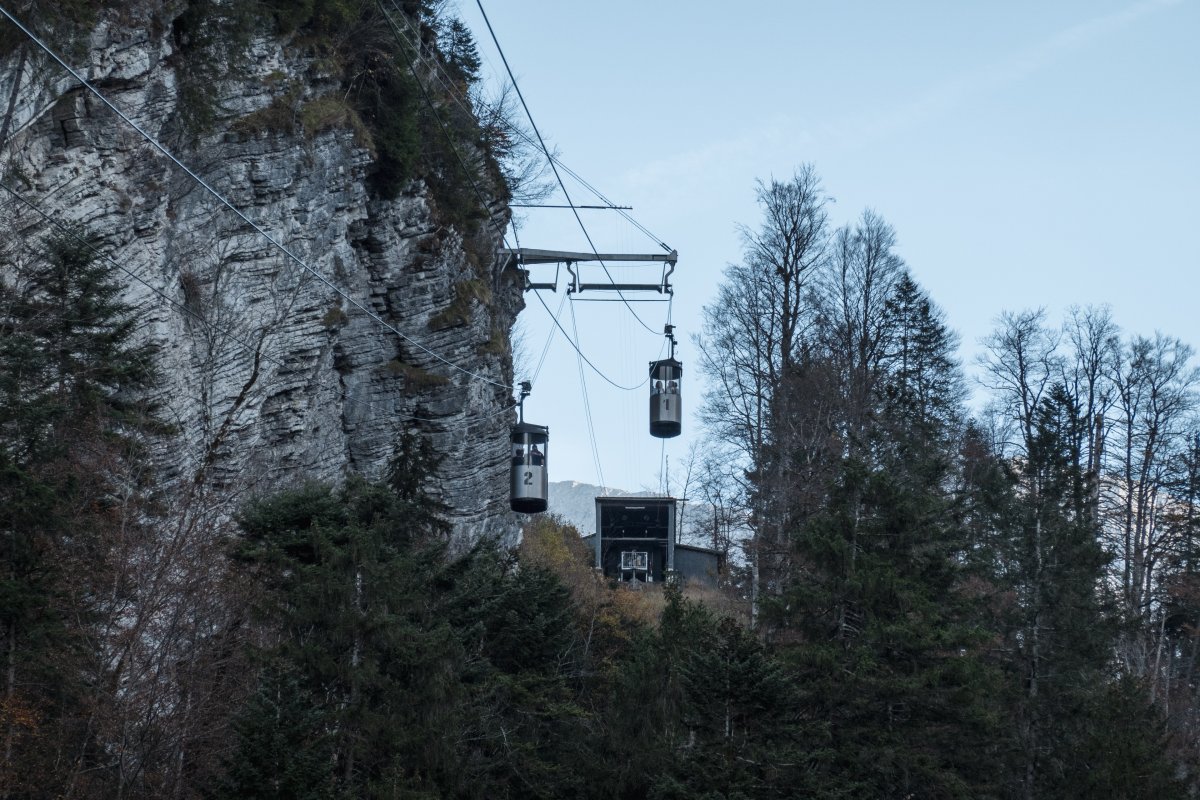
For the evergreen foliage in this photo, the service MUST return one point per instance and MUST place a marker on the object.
(71, 383)
(1123, 750)
(934, 607)
(424, 674)
(887, 651)
(747, 733)
(1059, 630)
(283, 750)
(389, 110)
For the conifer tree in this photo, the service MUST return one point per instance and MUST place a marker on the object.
(923, 392)
(72, 389)
(746, 737)
(284, 750)
(883, 640)
(1061, 636)
(422, 674)
(642, 727)
(345, 573)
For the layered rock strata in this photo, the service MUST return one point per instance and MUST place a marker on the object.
(270, 376)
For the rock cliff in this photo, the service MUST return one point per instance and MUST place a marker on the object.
(269, 375)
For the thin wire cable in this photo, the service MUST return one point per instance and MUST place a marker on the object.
(221, 199)
(250, 348)
(662, 469)
(436, 70)
(550, 336)
(578, 299)
(562, 205)
(608, 203)
(467, 172)
(440, 73)
(588, 361)
(401, 40)
(587, 405)
(549, 339)
(553, 167)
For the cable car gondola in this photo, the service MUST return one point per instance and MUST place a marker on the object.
(530, 481)
(666, 411)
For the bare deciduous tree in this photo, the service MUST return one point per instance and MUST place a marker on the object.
(859, 281)
(1020, 362)
(753, 336)
(1155, 393)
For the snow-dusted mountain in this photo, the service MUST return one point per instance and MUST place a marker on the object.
(575, 502)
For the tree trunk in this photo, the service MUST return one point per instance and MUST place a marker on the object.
(12, 98)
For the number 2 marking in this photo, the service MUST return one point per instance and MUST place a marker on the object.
(529, 479)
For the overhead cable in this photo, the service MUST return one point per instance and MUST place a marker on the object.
(553, 166)
(243, 343)
(549, 339)
(662, 470)
(580, 352)
(467, 172)
(587, 404)
(439, 71)
(221, 199)
(608, 203)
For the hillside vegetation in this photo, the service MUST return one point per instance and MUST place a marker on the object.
(930, 603)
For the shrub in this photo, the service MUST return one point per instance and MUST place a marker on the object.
(466, 295)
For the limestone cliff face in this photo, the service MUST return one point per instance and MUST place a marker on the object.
(270, 377)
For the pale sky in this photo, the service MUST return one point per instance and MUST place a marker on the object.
(1027, 153)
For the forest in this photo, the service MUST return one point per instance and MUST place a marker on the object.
(943, 580)
(944, 604)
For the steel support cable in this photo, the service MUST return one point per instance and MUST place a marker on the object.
(608, 203)
(587, 405)
(436, 70)
(412, 67)
(550, 335)
(221, 199)
(553, 167)
(587, 360)
(549, 339)
(244, 344)
(662, 453)
(555, 316)
(577, 299)
(401, 40)
(440, 73)
(662, 469)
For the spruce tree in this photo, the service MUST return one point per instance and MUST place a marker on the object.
(73, 382)
(423, 675)
(642, 702)
(1060, 634)
(882, 637)
(746, 736)
(283, 749)
(347, 572)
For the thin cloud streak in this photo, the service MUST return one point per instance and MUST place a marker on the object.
(698, 162)
(852, 135)
(1014, 69)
